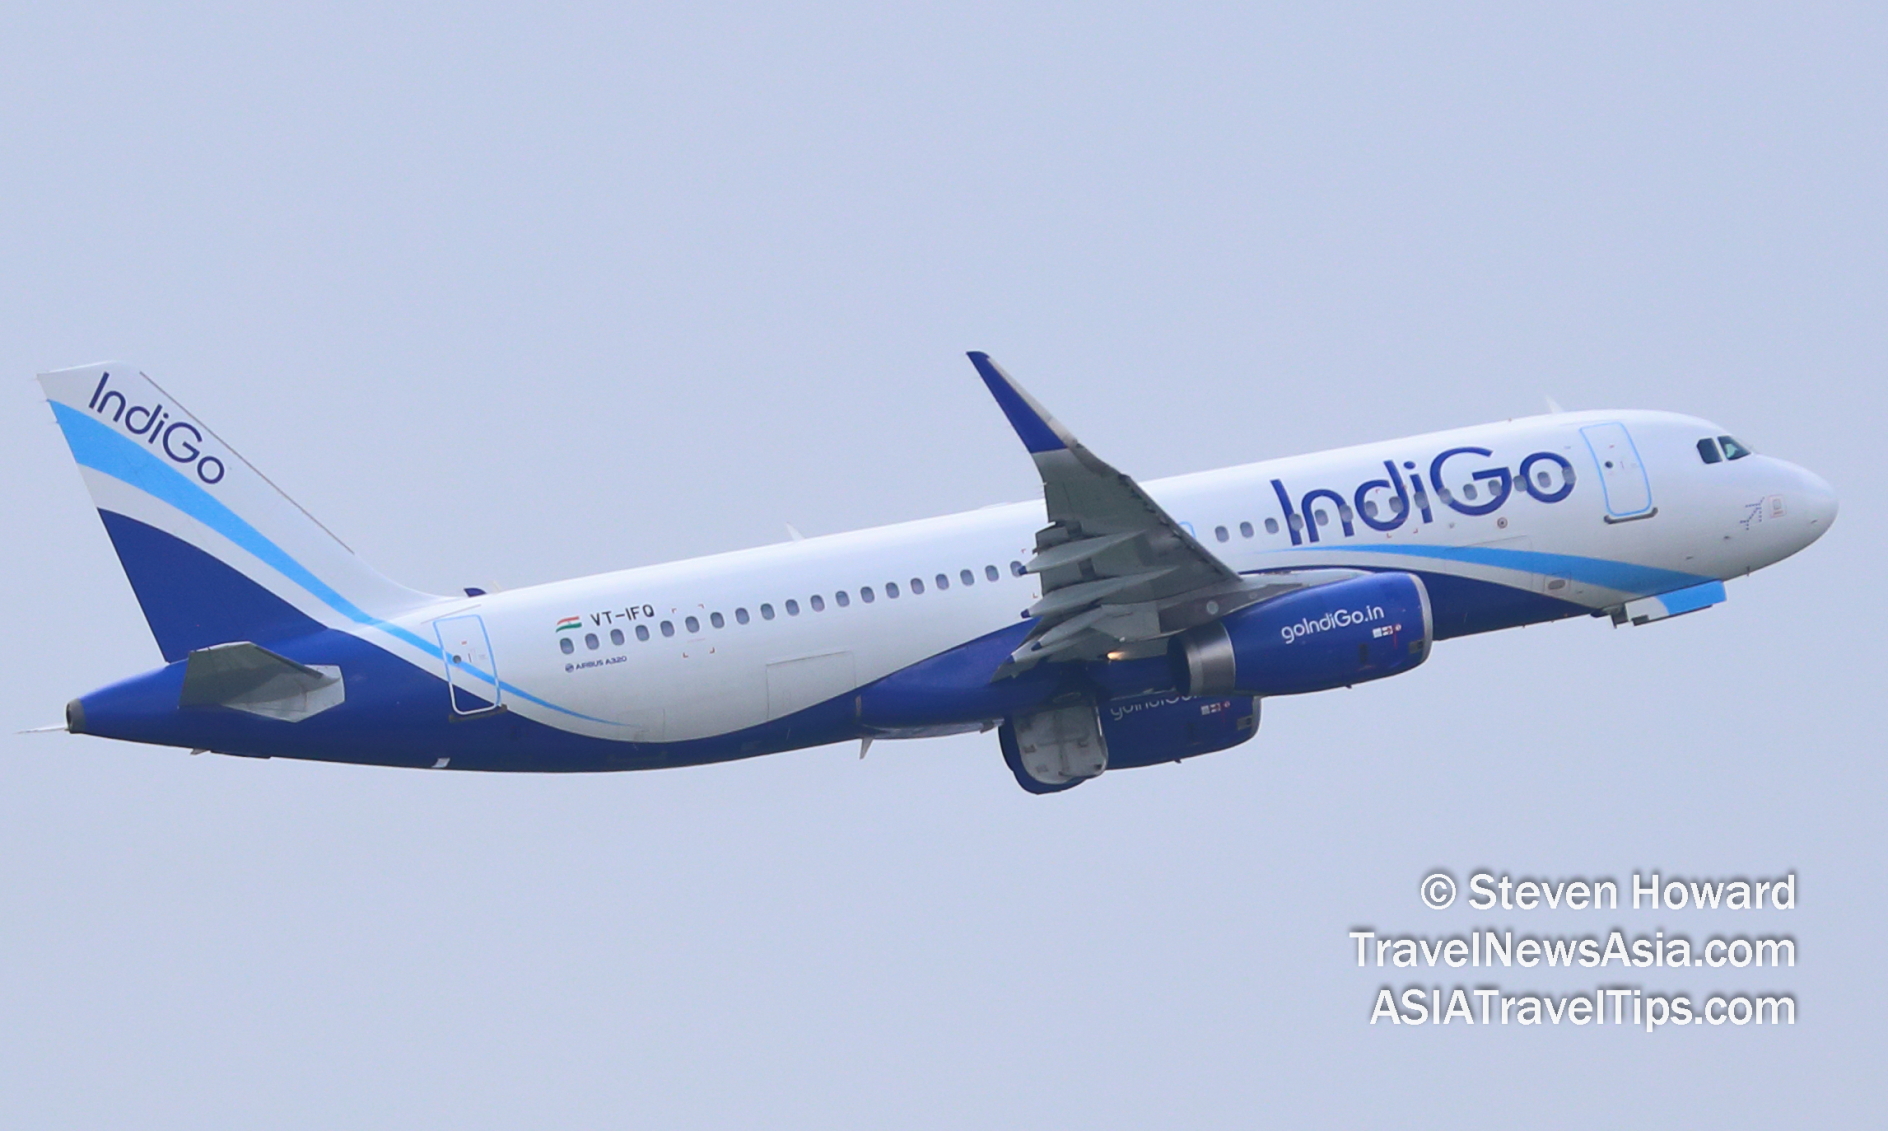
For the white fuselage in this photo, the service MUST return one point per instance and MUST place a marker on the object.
(735, 640)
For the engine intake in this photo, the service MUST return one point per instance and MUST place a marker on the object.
(1312, 640)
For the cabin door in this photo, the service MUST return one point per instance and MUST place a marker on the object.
(1622, 474)
(471, 672)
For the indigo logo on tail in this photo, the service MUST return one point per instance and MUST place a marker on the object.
(177, 439)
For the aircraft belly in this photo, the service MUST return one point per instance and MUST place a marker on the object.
(744, 690)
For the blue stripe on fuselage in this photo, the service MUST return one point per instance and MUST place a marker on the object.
(1622, 577)
(395, 714)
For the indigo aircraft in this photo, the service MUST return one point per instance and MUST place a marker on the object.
(1109, 625)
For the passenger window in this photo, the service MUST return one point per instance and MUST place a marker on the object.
(917, 585)
(1271, 526)
(891, 589)
(1398, 506)
(694, 625)
(1017, 570)
(590, 641)
(566, 645)
(1297, 522)
(990, 573)
(1219, 532)
(1370, 508)
(842, 598)
(1323, 517)
(668, 628)
(1707, 451)
(818, 602)
(793, 607)
(766, 612)
(865, 594)
(616, 636)
(717, 620)
(966, 576)
(1245, 530)
(740, 616)
(943, 582)
(1733, 449)
(642, 632)
(1468, 491)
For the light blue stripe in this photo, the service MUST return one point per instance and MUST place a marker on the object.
(106, 451)
(1622, 577)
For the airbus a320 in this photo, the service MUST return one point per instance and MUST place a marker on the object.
(1110, 624)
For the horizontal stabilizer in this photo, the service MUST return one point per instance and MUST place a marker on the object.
(247, 677)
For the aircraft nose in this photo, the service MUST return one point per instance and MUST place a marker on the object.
(1819, 501)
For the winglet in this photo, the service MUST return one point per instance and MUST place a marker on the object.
(1034, 426)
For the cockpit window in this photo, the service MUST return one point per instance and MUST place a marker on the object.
(1733, 449)
(1708, 450)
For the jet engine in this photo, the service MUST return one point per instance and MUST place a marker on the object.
(1061, 747)
(1312, 639)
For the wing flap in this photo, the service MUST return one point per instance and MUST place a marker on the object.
(1076, 552)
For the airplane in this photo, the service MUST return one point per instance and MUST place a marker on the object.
(1109, 625)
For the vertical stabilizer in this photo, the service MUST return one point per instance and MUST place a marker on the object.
(214, 551)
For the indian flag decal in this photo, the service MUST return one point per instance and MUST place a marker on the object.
(569, 623)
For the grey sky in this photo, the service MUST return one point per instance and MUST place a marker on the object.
(509, 295)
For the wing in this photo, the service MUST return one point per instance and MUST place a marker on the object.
(1118, 573)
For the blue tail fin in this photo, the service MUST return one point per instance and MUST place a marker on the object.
(214, 551)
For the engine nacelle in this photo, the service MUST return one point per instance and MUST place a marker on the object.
(1311, 640)
(1150, 729)
(1060, 747)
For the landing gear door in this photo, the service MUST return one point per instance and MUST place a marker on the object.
(471, 671)
(1622, 473)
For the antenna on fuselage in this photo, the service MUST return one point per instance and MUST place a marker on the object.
(1553, 405)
